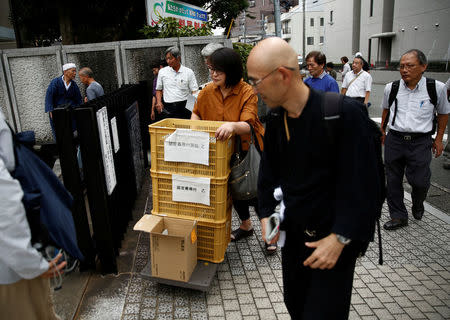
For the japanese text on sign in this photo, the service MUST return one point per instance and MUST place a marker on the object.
(185, 145)
(107, 154)
(191, 189)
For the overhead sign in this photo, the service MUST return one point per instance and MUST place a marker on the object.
(186, 14)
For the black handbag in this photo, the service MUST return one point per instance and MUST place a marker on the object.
(244, 170)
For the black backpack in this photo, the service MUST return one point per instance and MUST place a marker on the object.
(331, 110)
(431, 89)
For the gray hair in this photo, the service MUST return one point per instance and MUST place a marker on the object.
(174, 51)
(87, 72)
(209, 49)
(419, 55)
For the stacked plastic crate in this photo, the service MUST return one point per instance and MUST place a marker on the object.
(214, 220)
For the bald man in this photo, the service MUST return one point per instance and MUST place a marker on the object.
(324, 185)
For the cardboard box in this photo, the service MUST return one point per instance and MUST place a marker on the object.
(173, 256)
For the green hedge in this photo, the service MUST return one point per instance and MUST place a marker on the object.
(244, 50)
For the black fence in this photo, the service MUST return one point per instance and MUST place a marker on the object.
(103, 147)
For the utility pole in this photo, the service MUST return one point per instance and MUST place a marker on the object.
(245, 29)
(304, 32)
(276, 4)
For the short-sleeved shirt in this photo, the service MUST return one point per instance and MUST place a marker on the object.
(359, 87)
(94, 90)
(415, 111)
(240, 105)
(324, 82)
(177, 85)
(345, 70)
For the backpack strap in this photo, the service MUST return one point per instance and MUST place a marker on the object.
(392, 98)
(431, 88)
(331, 110)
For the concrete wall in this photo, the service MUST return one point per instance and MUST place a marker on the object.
(407, 14)
(338, 34)
(26, 73)
(433, 41)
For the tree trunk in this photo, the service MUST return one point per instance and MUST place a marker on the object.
(65, 24)
(17, 34)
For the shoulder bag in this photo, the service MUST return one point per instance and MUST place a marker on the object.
(244, 170)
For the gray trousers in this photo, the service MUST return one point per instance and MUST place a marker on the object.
(410, 157)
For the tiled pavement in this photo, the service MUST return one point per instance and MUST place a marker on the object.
(413, 283)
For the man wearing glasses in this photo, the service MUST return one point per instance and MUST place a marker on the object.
(328, 221)
(409, 142)
(177, 82)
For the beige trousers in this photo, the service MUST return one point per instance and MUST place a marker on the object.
(27, 299)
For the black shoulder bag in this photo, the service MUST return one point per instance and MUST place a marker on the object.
(244, 170)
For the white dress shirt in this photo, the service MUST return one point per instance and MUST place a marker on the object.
(177, 86)
(415, 112)
(345, 70)
(6, 145)
(358, 87)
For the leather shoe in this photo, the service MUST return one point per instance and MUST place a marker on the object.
(395, 223)
(418, 212)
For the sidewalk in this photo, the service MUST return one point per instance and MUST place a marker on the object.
(413, 283)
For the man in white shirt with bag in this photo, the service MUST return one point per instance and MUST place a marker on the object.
(357, 84)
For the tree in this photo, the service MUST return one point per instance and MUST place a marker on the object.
(39, 23)
(83, 21)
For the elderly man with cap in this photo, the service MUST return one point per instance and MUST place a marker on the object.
(62, 90)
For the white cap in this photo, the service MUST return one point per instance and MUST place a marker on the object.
(358, 54)
(68, 66)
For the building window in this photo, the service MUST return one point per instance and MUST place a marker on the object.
(322, 22)
(251, 4)
(371, 8)
(331, 16)
(311, 22)
(310, 41)
(321, 39)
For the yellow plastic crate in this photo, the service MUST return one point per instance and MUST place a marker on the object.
(219, 151)
(213, 240)
(220, 200)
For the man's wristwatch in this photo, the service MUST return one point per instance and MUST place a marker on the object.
(343, 239)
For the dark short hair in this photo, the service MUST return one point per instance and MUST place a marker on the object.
(360, 58)
(330, 65)
(419, 55)
(318, 56)
(345, 59)
(228, 61)
(86, 72)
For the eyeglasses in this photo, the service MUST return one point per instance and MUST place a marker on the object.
(407, 66)
(254, 83)
(212, 70)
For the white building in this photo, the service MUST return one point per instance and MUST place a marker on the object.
(292, 28)
(384, 29)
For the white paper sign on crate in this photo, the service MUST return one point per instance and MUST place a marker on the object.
(185, 145)
(191, 189)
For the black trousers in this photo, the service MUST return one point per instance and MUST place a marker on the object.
(411, 158)
(360, 99)
(177, 110)
(314, 294)
(242, 207)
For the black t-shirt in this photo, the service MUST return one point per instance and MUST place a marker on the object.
(324, 183)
